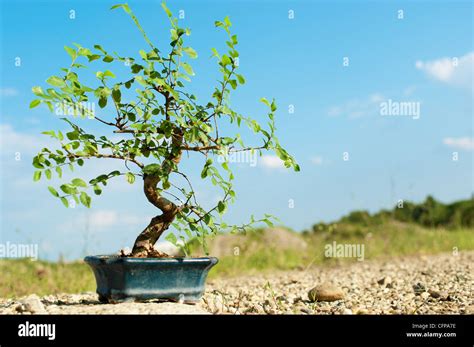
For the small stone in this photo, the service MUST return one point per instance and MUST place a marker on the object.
(425, 295)
(419, 288)
(215, 304)
(434, 294)
(446, 297)
(297, 299)
(362, 311)
(346, 311)
(469, 309)
(385, 280)
(32, 304)
(325, 292)
(325, 309)
(443, 296)
(305, 310)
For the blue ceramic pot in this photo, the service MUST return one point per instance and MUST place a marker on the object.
(122, 279)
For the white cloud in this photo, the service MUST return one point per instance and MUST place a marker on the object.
(271, 162)
(8, 91)
(12, 141)
(100, 220)
(409, 90)
(335, 111)
(359, 107)
(463, 143)
(317, 160)
(376, 98)
(456, 71)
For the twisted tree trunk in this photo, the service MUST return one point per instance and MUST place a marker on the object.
(143, 246)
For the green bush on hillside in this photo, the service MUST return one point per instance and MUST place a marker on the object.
(430, 213)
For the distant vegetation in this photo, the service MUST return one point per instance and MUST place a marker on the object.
(426, 228)
(430, 213)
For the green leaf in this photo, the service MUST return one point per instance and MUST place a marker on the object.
(273, 106)
(189, 70)
(48, 174)
(265, 101)
(124, 6)
(79, 182)
(56, 81)
(225, 60)
(50, 133)
(190, 52)
(72, 52)
(171, 238)
(50, 106)
(116, 95)
(108, 59)
(143, 54)
(36, 176)
(108, 73)
(221, 207)
(135, 69)
(72, 135)
(97, 190)
(93, 57)
(59, 171)
(35, 103)
(37, 91)
(152, 169)
(65, 201)
(99, 47)
(68, 188)
(168, 12)
(84, 51)
(85, 199)
(268, 223)
(53, 191)
(240, 78)
(102, 102)
(130, 177)
(215, 53)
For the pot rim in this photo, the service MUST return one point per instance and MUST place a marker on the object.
(114, 259)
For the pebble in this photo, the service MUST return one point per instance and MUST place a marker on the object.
(387, 280)
(306, 310)
(325, 292)
(31, 304)
(419, 288)
(362, 311)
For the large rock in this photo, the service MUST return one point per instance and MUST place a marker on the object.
(325, 292)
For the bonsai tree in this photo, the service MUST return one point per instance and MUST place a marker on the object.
(159, 122)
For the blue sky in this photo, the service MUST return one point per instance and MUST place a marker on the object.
(427, 58)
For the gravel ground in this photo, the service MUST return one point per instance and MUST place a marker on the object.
(439, 284)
